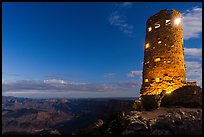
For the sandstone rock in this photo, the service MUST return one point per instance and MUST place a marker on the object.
(186, 96)
(174, 121)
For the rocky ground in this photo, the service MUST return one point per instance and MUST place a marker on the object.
(163, 121)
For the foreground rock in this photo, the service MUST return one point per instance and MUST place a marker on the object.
(164, 121)
(189, 96)
(186, 96)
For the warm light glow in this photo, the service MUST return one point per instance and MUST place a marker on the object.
(168, 92)
(146, 62)
(147, 45)
(159, 42)
(157, 25)
(157, 79)
(157, 59)
(146, 80)
(177, 21)
(149, 29)
(167, 22)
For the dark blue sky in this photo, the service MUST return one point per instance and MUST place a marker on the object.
(82, 42)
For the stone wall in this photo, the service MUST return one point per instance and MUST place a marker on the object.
(163, 66)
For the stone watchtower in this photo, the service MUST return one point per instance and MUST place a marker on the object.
(163, 67)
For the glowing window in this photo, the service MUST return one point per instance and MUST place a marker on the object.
(146, 62)
(157, 25)
(149, 29)
(147, 45)
(157, 79)
(168, 92)
(167, 22)
(159, 42)
(157, 59)
(146, 80)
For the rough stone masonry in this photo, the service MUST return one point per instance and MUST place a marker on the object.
(164, 67)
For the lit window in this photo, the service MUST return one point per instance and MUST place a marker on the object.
(157, 59)
(146, 80)
(167, 22)
(149, 29)
(159, 42)
(157, 79)
(146, 62)
(168, 92)
(157, 25)
(147, 45)
(177, 21)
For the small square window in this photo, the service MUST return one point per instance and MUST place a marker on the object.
(157, 79)
(168, 22)
(157, 25)
(149, 29)
(146, 80)
(157, 59)
(147, 45)
(165, 74)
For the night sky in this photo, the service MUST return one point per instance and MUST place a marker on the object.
(86, 49)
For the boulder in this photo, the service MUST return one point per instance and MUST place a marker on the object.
(186, 96)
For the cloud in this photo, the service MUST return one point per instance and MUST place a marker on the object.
(194, 71)
(59, 86)
(126, 5)
(192, 23)
(118, 20)
(54, 81)
(135, 73)
(193, 52)
(4, 82)
(109, 75)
